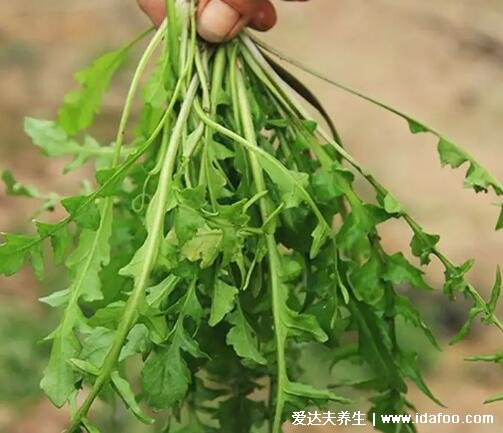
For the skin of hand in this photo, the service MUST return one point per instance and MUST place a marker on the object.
(221, 20)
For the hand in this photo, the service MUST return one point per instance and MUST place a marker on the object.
(221, 20)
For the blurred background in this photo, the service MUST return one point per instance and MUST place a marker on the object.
(440, 61)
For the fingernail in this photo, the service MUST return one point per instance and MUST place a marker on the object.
(217, 20)
(265, 18)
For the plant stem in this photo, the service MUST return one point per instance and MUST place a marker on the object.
(151, 250)
(272, 254)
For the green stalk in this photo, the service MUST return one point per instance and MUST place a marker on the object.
(272, 254)
(151, 250)
(68, 320)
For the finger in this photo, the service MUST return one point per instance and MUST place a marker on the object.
(221, 20)
(265, 18)
(155, 9)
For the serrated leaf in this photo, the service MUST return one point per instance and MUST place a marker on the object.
(59, 378)
(243, 339)
(366, 281)
(187, 222)
(54, 141)
(310, 392)
(125, 392)
(455, 278)
(223, 301)
(289, 185)
(404, 308)
(14, 188)
(90, 256)
(84, 212)
(332, 184)
(374, 346)
(14, 251)
(398, 271)
(165, 378)
(450, 154)
(479, 179)
(302, 325)
(204, 246)
(137, 342)
(423, 244)
(464, 331)
(96, 346)
(80, 106)
(408, 365)
(391, 205)
(60, 239)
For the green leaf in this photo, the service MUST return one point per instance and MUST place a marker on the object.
(404, 308)
(289, 185)
(366, 281)
(416, 127)
(499, 224)
(455, 278)
(479, 179)
(96, 346)
(243, 339)
(223, 301)
(320, 236)
(423, 245)
(165, 378)
(187, 222)
(15, 250)
(205, 246)
(494, 399)
(14, 188)
(398, 271)
(332, 184)
(374, 346)
(302, 325)
(56, 299)
(408, 365)
(90, 427)
(498, 358)
(495, 292)
(60, 239)
(138, 342)
(90, 256)
(125, 392)
(37, 260)
(59, 378)
(53, 140)
(450, 154)
(309, 392)
(85, 213)
(392, 206)
(84, 367)
(464, 331)
(80, 106)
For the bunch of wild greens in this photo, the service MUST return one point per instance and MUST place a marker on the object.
(225, 238)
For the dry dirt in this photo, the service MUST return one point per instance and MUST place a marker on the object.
(441, 61)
